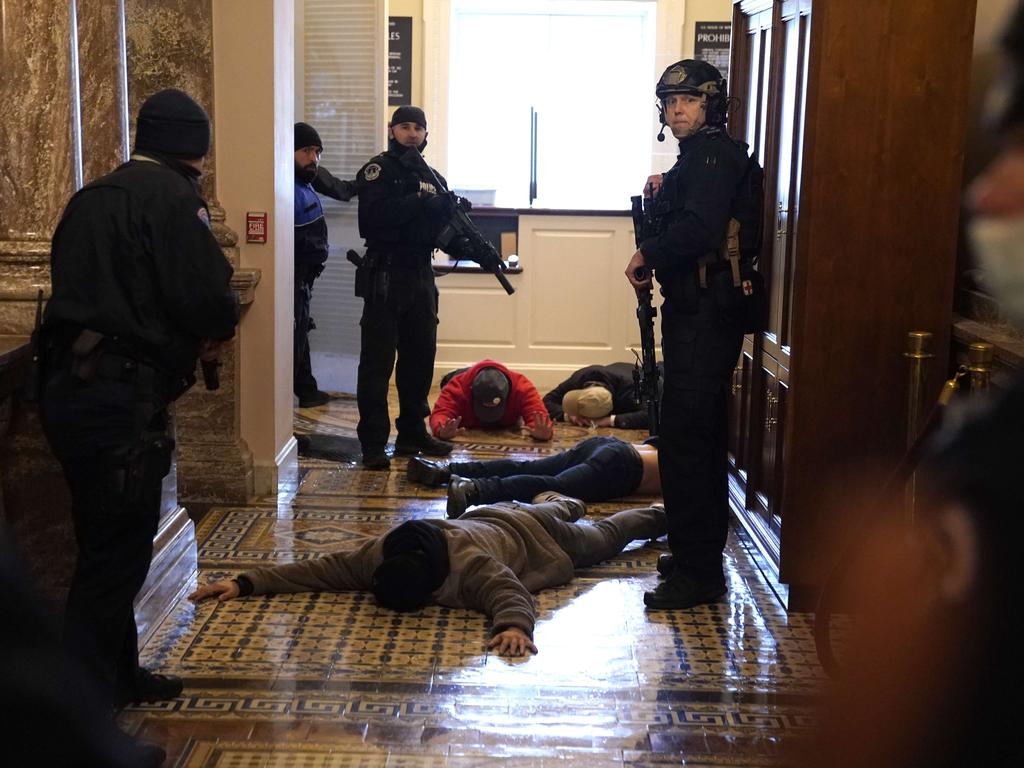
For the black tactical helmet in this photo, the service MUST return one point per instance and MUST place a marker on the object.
(697, 78)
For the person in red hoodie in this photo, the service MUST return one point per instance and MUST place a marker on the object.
(489, 395)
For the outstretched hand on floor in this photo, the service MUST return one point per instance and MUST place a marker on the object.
(512, 642)
(222, 590)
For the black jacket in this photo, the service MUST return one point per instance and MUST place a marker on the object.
(617, 378)
(133, 257)
(695, 203)
(392, 214)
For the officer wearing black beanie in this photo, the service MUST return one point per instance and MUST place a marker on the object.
(141, 290)
(400, 215)
(171, 123)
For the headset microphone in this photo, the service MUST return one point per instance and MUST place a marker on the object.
(661, 134)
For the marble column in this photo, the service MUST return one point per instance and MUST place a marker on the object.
(170, 44)
(62, 122)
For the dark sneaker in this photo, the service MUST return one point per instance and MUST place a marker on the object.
(151, 687)
(426, 472)
(678, 592)
(666, 565)
(462, 493)
(427, 445)
(314, 399)
(376, 459)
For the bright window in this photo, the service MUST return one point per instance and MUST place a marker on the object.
(583, 67)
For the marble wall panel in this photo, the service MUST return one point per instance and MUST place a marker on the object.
(38, 131)
(102, 86)
(170, 45)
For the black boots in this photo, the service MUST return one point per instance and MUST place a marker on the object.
(426, 472)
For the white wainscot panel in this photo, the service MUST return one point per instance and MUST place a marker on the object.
(477, 318)
(569, 300)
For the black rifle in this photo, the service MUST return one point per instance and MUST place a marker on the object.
(459, 225)
(645, 370)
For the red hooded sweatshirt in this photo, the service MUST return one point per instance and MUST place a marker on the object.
(456, 399)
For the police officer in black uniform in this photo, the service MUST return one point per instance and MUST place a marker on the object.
(311, 251)
(140, 291)
(693, 204)
(400, 216)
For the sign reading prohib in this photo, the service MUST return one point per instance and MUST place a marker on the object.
(711, 44)
(256, 227)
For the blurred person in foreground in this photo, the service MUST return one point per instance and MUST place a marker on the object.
(931, 650)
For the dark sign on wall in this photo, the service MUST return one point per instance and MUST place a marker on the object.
(399, 60)
(711, 44)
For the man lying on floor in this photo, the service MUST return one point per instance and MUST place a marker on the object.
(596, 469)
(489, 560)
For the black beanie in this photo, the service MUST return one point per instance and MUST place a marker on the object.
(172, 123)
(306, 136)
(409, 114)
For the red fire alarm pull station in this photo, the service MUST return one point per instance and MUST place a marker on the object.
(256, 227)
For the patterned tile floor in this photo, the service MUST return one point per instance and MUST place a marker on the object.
(333, 680)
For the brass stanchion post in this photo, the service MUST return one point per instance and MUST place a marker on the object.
(918, 343)
(979, 366)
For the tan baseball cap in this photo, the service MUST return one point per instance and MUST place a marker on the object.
(590, 403)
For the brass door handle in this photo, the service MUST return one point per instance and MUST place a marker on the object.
(770, 419)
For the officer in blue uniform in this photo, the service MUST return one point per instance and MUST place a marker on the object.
(141, 289)
(311, 251)
(400, 216)
(693, 205)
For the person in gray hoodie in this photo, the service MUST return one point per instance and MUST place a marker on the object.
(491, 559)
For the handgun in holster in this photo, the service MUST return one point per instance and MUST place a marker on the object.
(128, 476)
(372, 276)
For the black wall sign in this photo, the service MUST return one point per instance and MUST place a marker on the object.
(711, 44)
(399, 60)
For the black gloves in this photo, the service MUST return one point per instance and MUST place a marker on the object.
(460, 248)
(439, 207)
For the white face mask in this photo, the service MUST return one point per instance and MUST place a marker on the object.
(998, 245)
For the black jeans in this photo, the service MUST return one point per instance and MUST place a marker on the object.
(700, 354)
(404, 325)
(114, 447)
(588, 545)
(596, 469)
(304, 384)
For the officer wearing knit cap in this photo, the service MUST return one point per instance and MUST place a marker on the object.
(172, 124)
(311, 251)
(128, 318)
(400, 215)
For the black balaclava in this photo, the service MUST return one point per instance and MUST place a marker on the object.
(415, 565)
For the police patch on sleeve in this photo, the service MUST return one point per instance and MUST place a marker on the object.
(371, 172)
(204, 216)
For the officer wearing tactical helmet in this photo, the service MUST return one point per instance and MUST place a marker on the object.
(400, 215)
(692, 206)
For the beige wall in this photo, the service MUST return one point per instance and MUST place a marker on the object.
(702, 10)
(253, 87)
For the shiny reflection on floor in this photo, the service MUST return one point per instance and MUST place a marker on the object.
(336, 680)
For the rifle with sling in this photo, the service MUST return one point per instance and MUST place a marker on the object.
(645, 370)
(459, 225)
